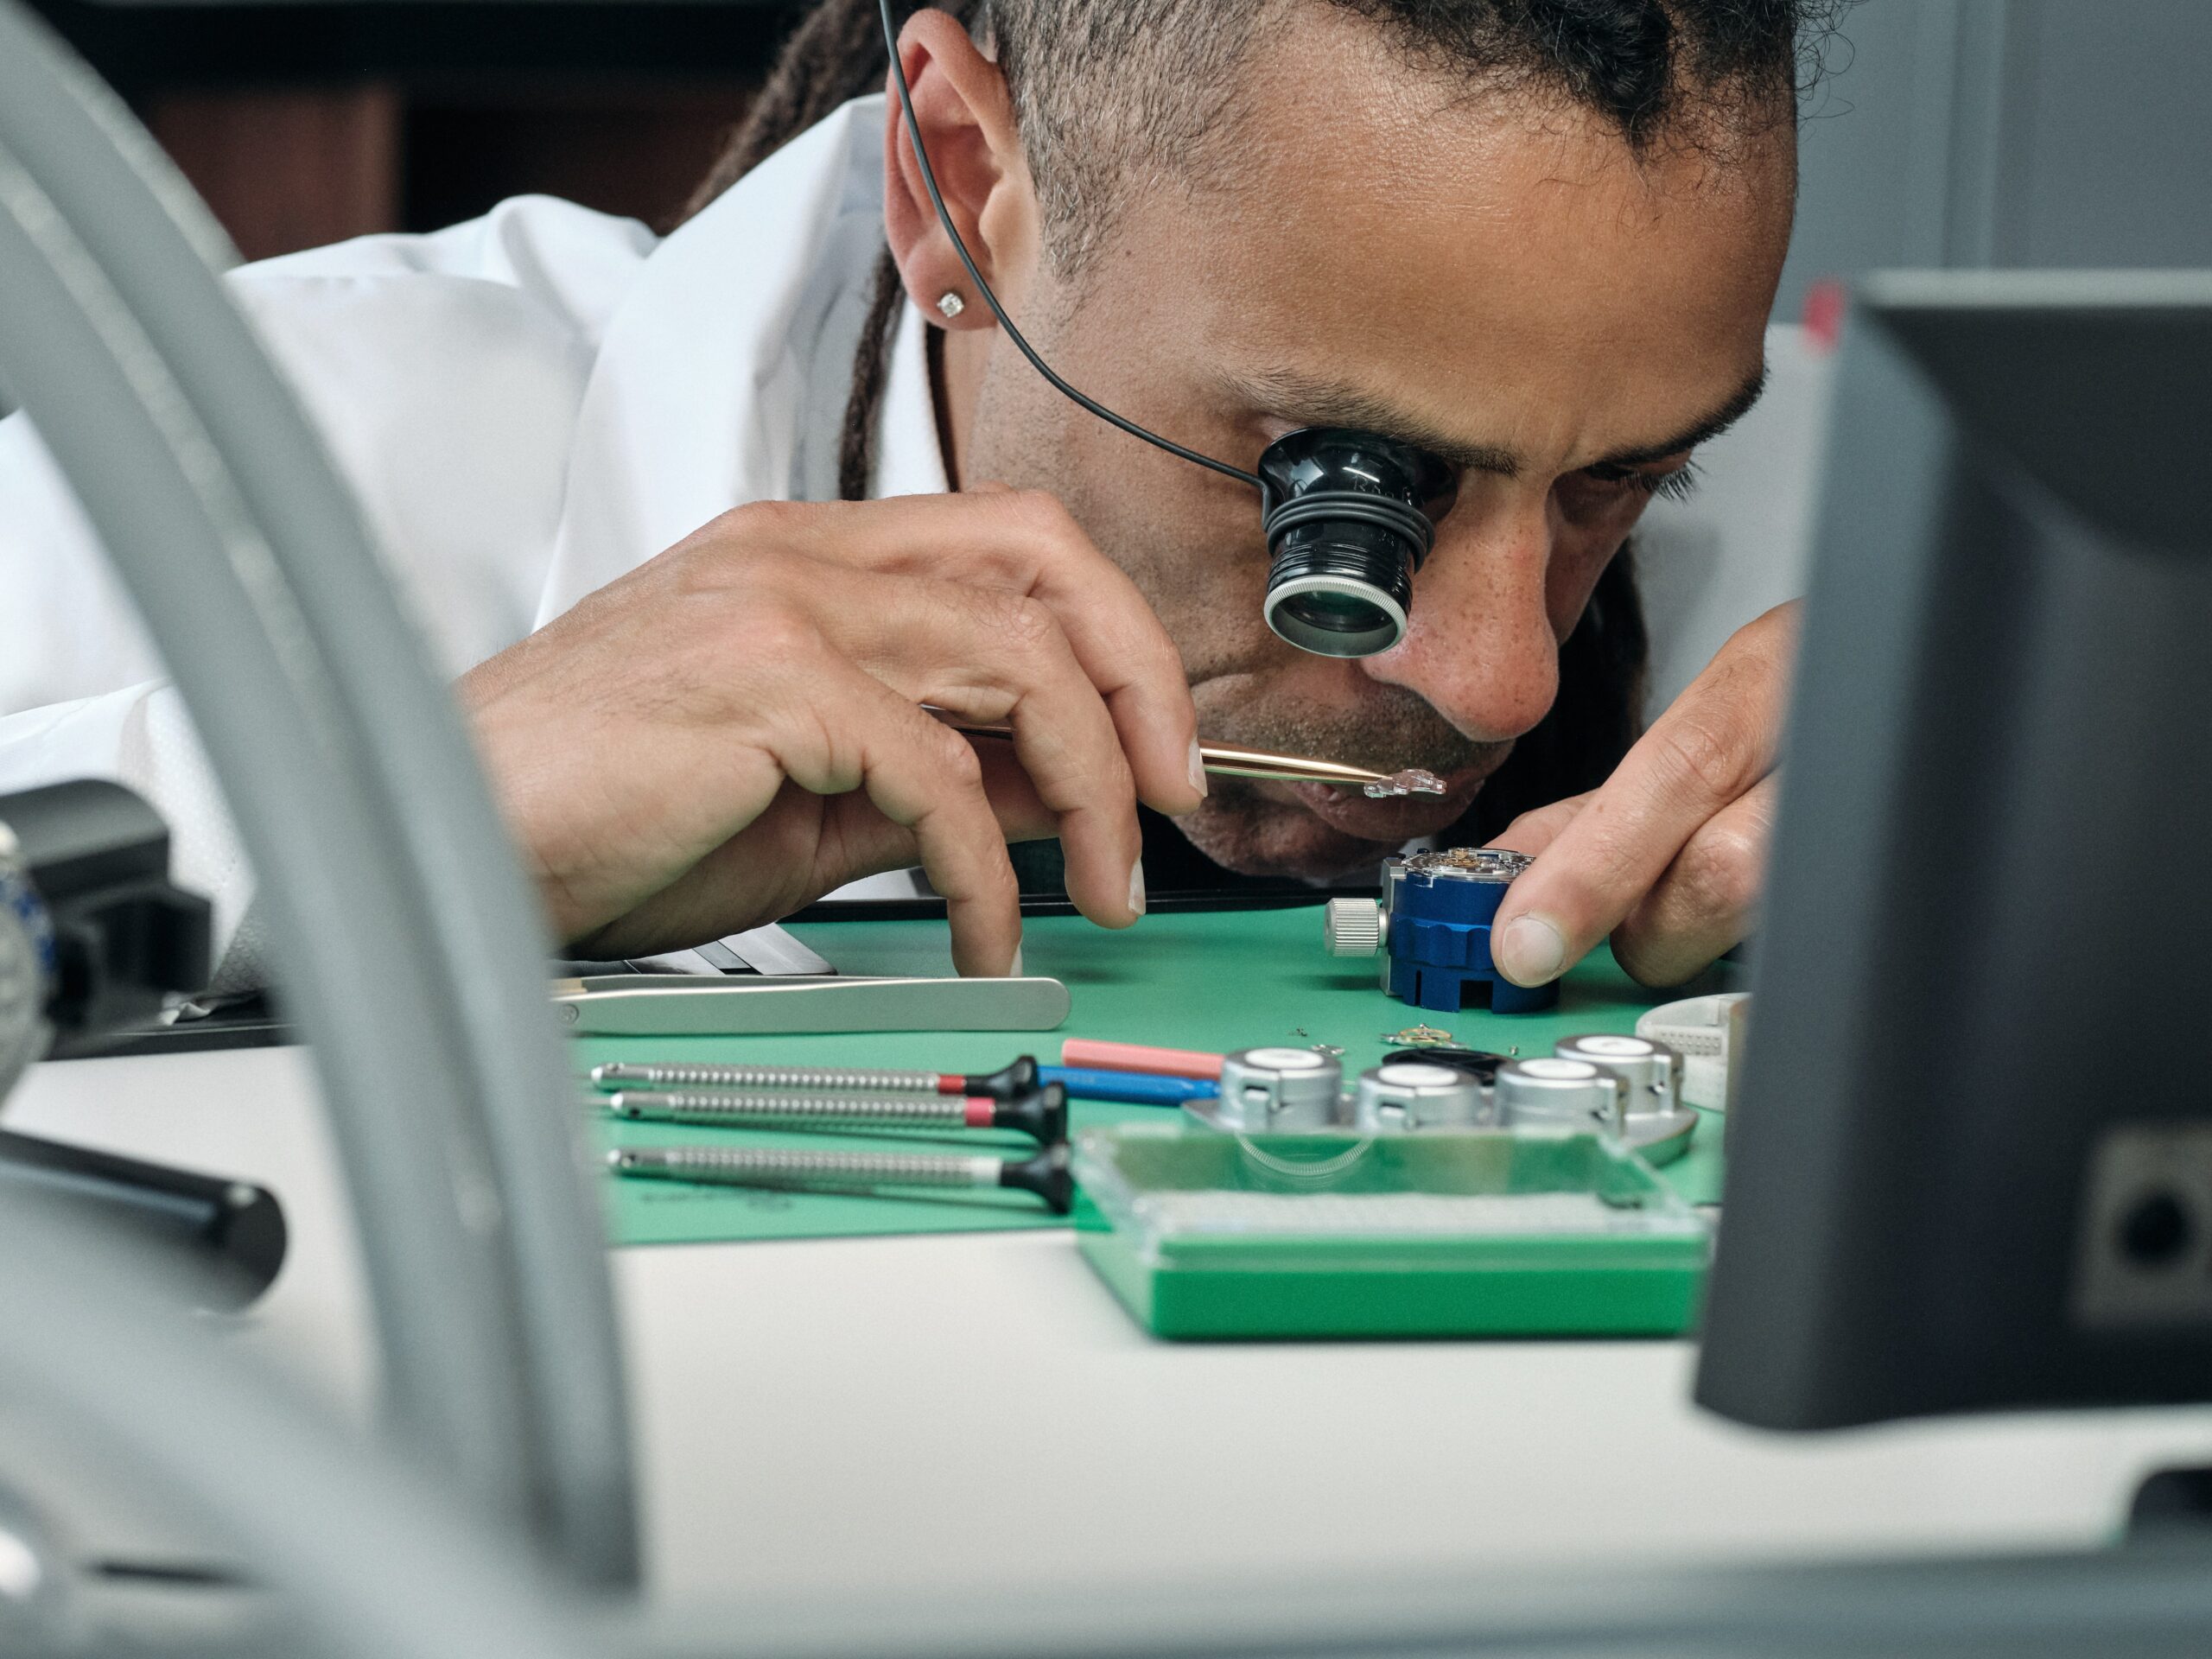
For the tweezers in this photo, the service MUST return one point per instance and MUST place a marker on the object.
(1232, 762)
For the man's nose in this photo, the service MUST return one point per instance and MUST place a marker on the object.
(1479, 647)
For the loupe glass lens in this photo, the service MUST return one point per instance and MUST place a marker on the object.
(1337, 610)
(1340, 589)
(1336, 622)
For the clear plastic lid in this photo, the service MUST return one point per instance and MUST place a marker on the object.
(1443, 1197)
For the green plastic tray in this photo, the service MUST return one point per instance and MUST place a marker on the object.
(1208, 1236)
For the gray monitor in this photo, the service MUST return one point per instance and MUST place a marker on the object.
(1971, 1167)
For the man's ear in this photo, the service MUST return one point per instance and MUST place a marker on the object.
(967, 120)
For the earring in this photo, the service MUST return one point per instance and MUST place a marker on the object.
(951, 305)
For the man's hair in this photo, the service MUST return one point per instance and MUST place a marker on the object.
(1108, 92)
(1112, 96)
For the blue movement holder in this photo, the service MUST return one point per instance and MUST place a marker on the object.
(1438, 937)
(1434, 924)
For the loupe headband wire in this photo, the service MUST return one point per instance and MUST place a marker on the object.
(944, 218)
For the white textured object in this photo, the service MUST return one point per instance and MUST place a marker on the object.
(1708, 1032)
(1354, 927)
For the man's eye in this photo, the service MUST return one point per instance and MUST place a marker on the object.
(1670, 484)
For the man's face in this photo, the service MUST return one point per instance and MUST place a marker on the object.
(1491, 275)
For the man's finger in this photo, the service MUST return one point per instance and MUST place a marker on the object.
(1028, 544)
(1040, 554)
(1709, 900)
(1707, 751)
(922, 775)
(1535, 830)
(993, 655)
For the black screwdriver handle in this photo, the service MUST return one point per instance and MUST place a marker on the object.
(1048, 1175)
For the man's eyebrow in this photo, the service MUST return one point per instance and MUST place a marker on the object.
(1738, 405)
(1310, 402)
(1321, 403)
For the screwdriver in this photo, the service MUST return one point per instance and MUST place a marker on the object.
(1010, 1082)
(1046, 1174)
(1042, 1114)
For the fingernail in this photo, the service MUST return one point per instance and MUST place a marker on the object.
(1197, 768)
(1013, 968)
(1530, 951)
(1136, 886)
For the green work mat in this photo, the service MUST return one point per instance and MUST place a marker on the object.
(1212, 979)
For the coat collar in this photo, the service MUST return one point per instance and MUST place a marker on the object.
(723, 375)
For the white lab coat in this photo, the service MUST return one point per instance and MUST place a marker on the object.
(528, 406)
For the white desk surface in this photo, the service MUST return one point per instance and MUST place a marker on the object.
(975, 1410)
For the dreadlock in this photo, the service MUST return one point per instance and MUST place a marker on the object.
(1642, 64)
(834, 56)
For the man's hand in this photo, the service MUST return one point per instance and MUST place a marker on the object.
(1668, 855)
(735, 728)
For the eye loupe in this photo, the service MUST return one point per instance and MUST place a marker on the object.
(1349, 516)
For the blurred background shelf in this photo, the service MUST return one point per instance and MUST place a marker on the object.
(1946, 132)
(304, 122)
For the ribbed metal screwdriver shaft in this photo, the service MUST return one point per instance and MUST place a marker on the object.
(905, 1111)
(810, 1077)
(765, 1167)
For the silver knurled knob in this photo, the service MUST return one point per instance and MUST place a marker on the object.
(1354, 927)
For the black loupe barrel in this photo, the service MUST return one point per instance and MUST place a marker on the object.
(1349, 516)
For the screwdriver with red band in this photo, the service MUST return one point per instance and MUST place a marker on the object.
(1010, 1082)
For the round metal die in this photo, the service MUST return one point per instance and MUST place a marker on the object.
(1655, 1120)
(1652, 1071)
(1265, 1088)
(1414, 1095)
(1573, 1094)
